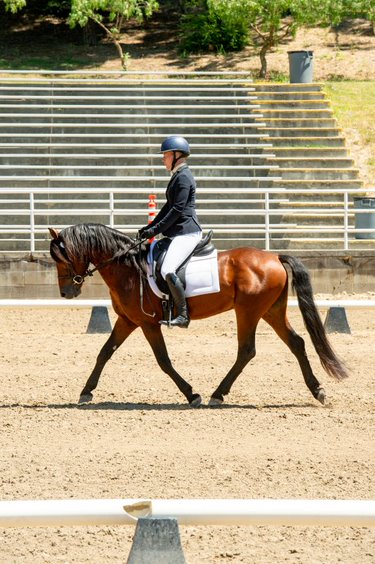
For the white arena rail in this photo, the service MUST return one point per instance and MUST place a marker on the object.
(260, 203)
(189, 512)
(60, 302)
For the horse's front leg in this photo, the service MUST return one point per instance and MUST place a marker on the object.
(122, 329)
(155, 337)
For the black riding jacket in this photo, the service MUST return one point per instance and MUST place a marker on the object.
(178, 215)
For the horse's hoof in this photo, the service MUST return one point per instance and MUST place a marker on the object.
(196, 401)
(321, 395)
(215, 402)
(85, 398)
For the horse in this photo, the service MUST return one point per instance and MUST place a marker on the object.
(253, 282)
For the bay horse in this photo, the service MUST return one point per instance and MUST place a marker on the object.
(253, 282)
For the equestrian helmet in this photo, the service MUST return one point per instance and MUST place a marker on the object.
(175, 143)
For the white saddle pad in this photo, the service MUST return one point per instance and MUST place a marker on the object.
(202, 276)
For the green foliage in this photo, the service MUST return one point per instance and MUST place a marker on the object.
(13, 5)
(214, 25)
(333, 12)
(83, 10)
(56, 7)
(109, 15)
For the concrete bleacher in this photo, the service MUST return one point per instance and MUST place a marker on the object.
(310, 150)
(97, 134)
(92, 134)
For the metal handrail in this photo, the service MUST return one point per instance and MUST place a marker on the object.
(122, 212)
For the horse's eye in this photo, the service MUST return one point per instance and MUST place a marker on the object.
(61, 244)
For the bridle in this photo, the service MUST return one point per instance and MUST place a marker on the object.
(78, 279)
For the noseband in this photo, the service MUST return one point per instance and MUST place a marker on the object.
(77, 279)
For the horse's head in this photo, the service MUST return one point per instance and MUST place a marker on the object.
(70, 270)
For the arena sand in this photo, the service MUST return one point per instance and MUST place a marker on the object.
(139, 439)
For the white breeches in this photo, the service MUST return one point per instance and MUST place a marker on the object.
(179, 249)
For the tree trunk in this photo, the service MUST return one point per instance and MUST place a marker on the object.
(263, 62)
(89, 34)
(116, 42)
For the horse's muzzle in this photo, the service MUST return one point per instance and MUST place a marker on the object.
(70, 292)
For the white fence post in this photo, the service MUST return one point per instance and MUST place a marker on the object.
(32, 223)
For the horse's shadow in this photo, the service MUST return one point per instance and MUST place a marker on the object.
(128, 406)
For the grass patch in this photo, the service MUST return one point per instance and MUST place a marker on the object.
(353, 104)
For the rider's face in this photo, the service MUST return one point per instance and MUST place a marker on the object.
(168, 160)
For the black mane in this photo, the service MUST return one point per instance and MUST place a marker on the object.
(87, 240)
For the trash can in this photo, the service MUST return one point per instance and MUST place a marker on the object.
(365, 220)
(300, 66)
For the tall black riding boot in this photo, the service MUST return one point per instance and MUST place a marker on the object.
(178, 294)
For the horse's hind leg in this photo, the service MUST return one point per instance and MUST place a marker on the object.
(122, 329)
(245, 352)
(278, 320)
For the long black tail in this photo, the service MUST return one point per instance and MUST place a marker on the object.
(302, 285)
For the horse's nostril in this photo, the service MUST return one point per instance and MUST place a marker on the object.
(62, 294)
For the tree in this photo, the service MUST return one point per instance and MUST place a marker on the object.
(110, 15)
(350, 9)
(275, 21)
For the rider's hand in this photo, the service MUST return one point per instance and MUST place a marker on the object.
(140, 234)
(147, 233)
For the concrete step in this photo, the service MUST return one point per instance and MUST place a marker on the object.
(317, 230)
(134, 98)
(135, 130)
(292, 123)
(229, 108)
(295, 113)
(302, 131)
(146, 160)
(128, 149)
(107, 137)
(311, 203)
(362, 244)
(145, 169)
(313, 220)
(319, 198)
(114, 120)
(329, 242)
(285, 87)
(322, 142)
(159, 183)
(313, 162)
(56, 91)
(318, 174)
(292, 104)
(131, 120)
(310, 152)
(289, 95)
(320, 184)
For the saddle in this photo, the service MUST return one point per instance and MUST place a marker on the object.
(204, 247)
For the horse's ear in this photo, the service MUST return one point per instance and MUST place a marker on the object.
(53, 232)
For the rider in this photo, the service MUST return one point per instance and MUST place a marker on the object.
(178, 220)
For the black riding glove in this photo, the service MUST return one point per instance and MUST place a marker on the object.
(141, 232)
(147, 233)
